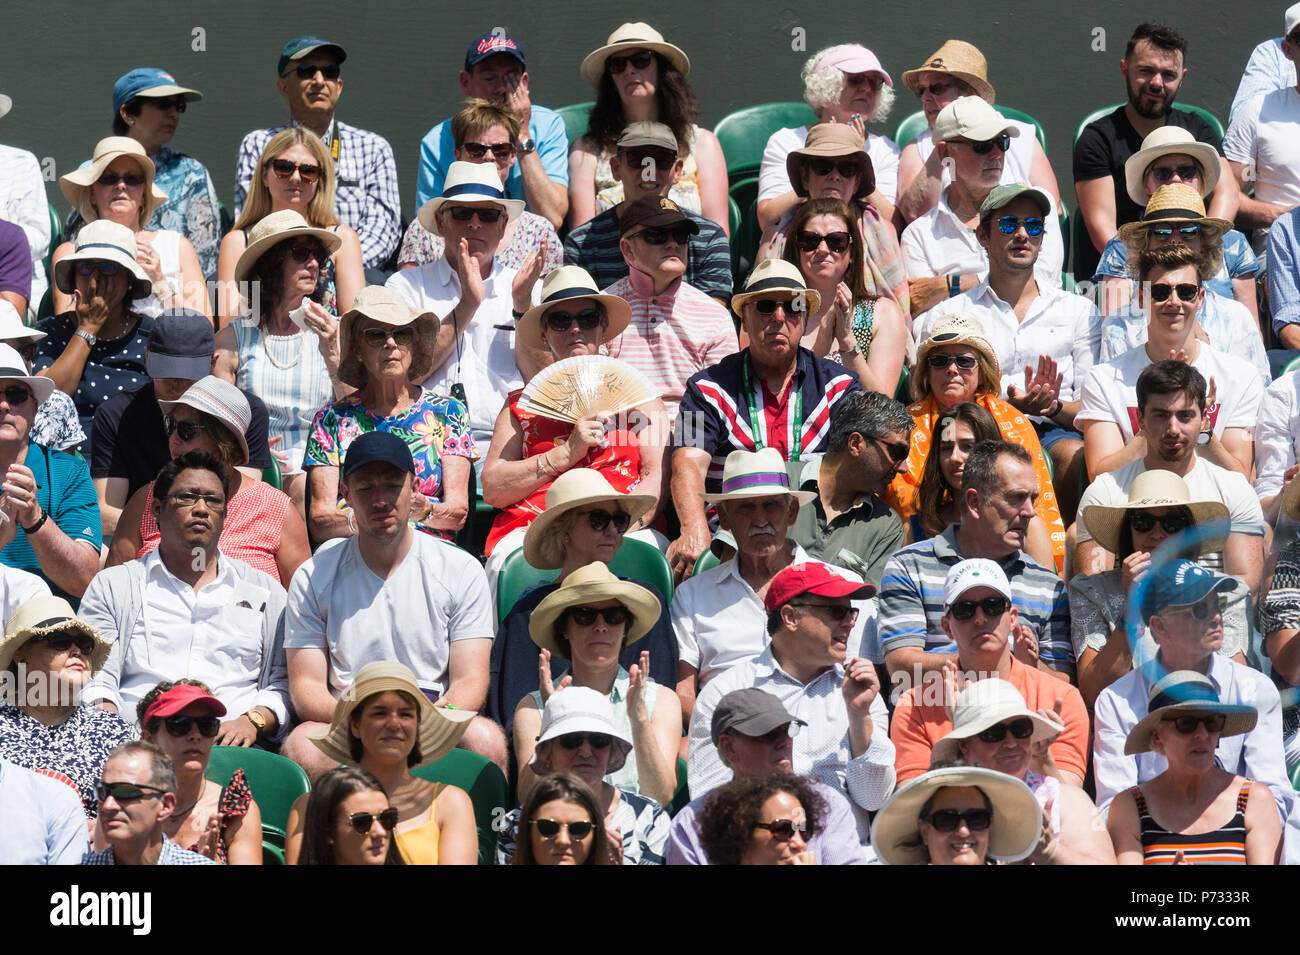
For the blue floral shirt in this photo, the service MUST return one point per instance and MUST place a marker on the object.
(192, 207)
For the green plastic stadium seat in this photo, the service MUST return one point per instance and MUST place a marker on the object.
(743, 134)
(487, 790)
(272, 476)
(1200, 111)
(912, 126)
(706, 561)
(275, 781)
(575, 119)
(635, 559)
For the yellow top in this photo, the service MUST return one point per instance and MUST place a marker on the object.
(420, 846)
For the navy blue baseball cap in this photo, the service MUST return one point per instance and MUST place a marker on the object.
(150, 81)
(180, 345)
(1181, 583)
(490, 44)
(300, 46)
(381, 446)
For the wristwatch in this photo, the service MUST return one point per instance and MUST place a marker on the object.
(86, 337)
(258, 721)
(527, 146)
(1203, 438)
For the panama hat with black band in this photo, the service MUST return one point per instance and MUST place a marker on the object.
(103, 241)
(565, 284)
(773, 277)
(633, 36)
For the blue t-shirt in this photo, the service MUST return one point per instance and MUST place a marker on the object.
(437, 153)
(65, 491)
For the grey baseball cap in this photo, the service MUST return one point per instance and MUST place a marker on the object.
(749, 712)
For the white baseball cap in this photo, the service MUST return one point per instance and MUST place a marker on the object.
(972, 118)
(969, 574)
(1292, 19)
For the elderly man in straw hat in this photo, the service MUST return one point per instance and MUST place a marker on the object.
(773, 394)
(811, 664)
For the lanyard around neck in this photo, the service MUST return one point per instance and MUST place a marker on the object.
(751, 402)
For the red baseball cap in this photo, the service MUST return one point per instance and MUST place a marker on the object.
(179, 698)
(813, 578)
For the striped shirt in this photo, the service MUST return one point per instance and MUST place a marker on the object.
(672, 336)
(1223, 846)
(594, 246)
(911, 600)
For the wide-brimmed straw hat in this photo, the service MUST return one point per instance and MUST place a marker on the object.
(580, 709)
(750, 474)
(955, 330)
(576, 487)
(1182, 693)
(829, 141)
(76, 184)
(776, 275)
(103, 241)
(219, 398)
(469, 182)
(561, 285)
(275, 228)
(592, 584)
(1017, 819)
(984, 704)
(1154, 488)
(381, 304)
(13, 366)
(1169, 141)
(440, 727)
(633, 36)
(48, 614)
(960, 59)
(1172, 205)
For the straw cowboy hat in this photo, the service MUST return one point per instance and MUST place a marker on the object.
(76, 184)
(749, 474)
(273, 229)
(381, 304)
(469, 182)
(13, 366)
(219, 398)
(1181, 693)
(956, 330)
(984, 704)
(1154, 489)
(1016, 816)
(580, 709)
(1169, 141)
(48, 614)
(633, 36)
(961, 60)
(564, 284)
(1172, 205)
(776, 275)
(576, 487)
(592, 584)
(832, 140)
(440, 727)
(103, 241)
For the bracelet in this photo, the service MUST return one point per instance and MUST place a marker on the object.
(45, 516)
(1057, 410)
(517, 315)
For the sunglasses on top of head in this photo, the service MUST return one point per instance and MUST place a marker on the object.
(617, 64)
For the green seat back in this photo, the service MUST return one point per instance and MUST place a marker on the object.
(575, 119)
(635, 559)
(706, 561)
(743, 134)
(914, 125)
(271, 475)
(683, 794)
(276, 783)
(56, 239)
(487, 790)
(744, 241)
(903, 392)
(1200, 111)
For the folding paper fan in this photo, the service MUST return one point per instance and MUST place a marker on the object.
(571, 389)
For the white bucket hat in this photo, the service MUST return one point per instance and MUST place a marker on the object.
(13, 366)
(103, 241)
(12, 328)
(1169, 141)
(469, 182)
(580, 709)
(984, 704)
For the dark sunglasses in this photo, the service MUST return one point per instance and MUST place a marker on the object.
(586, 320)
(1167, 231)
(378, 337)
(176, 103)
(947, 820)
(1160, 291)
(656, 236)
(617, 64)
(91, 266)
(836, 242)
(600, 519)
(113, 178)
(992, 607)
(586, 616)
(1214, 723)
(1022, 728)
(486, 216)
(179, 726)
(934, 89)
(984, 146)
(1202, 610)
(1144, 521)
(126, 792)
(479, 150)
(897, 450)
(306, 71)
(63, 642)
(185, 430)
(550, 828)
(1008, 225)
(662, 158)
(1163, 174)
(782, 830)
(822, 167)
(16, 395)
(284, 168)
(964, 362)
(574, 741)
(361, 822)
(305, 251)
(768, 306)
(872, 80)
(836, 612)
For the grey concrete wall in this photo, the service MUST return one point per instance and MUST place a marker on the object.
(60, 59)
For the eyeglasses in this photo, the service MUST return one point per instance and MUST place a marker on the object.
(177, 103)
(185, 430)
(91, 266)
(113, 178)
(16, 395)
(992, 607)
(284, 168)
(981, 147)
(768, 306)
(872, 80)
(305, 251)
(192, 498)
(837, 612)
(1022, 728)
(306, 71)
(1143, 521)
(897, 450)
(1187, 291)
(600, 519)
(782, 830)
(486, 216)
(1203, 609)
(479, 150)
(657, 236)
(617, 64)
(574, 741)
(378, 337)
(934, 89)
(63, 642)
(179, 726)
(586, 616)
(1008, 225)
(586, 320)
(822, 167)
(940, 360)
(836, 242)
(1163, 174)
(550, 828)
(1186, 725)
(362, 822)
(947, 820)
(126, 792)
(1167, 231)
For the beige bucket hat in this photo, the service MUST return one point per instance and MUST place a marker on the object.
(273, 229)
(378, 303)
(48, 614)
(591, 584)
(576, 487)
(829, 141)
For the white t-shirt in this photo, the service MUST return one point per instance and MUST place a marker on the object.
(1020, 158)
(16, 588)
(1110, 390)
(774, 178)
(1265, 134)
(436, 595)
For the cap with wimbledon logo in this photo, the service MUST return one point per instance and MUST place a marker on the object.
(969, 574)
